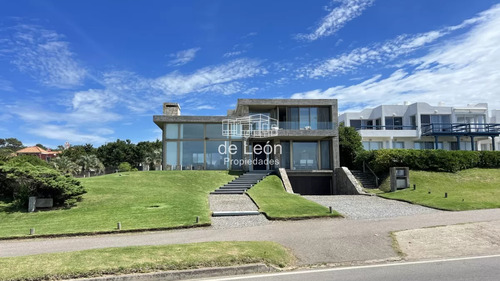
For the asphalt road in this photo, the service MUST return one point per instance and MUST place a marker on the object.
(475, 268)
(312, 241)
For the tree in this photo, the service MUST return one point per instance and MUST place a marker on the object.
(114, 153)
(154, 157)
(41, 146)
(90, 163)
(65, 165)
(124, 167)
(349, 145)
(9, 146)
(13, 144)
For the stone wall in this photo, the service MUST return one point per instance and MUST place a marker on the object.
(346, 183)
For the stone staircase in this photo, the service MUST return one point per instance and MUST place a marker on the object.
(242, 183)
(367, 180)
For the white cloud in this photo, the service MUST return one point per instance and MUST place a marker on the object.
(44, 55)
(337, 18)
(204, 107)
(459, 71)
(209, 78)
(183, 57)
(233, 54)
(379, 52)
(57, 132)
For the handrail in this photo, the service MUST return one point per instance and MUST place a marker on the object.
(371, 171)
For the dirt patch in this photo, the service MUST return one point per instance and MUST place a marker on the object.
(450, 241)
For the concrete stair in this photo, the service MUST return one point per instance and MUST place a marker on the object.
(366, 179)
(242, 183)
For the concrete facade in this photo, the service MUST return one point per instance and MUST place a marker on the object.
(305, 140)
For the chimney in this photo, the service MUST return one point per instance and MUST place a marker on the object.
(171, 109)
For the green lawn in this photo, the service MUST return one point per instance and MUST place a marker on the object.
(272, 199)
(139, 200)
(142, 259)
(467, 190)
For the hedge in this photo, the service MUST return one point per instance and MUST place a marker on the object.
(19, 182)
(428, 160)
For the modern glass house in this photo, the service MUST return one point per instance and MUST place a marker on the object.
(300, 136)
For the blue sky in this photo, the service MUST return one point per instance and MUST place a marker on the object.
(95, 71)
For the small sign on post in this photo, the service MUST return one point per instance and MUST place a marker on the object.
(400, 178)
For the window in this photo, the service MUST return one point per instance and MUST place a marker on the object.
(192, 131)
(285, 155)
(237, 156)
(295, 118)
(372, 145)
(215, 160)
(394, 123)
(398, 144)
(192, 155)
(413, 122)
(305, 155)
(325, 155)
(324, 120)
(355, 124)
(427, 145)
(172, 155)
(214, 131)
(172, 131)
(304, 117)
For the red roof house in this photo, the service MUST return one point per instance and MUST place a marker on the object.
(38, 152)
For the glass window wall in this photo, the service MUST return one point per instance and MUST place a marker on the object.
(305, 155)
(172, 131)
(171, 155)
(192, 131)
(325, 155)
(191, 155)
(215, 160)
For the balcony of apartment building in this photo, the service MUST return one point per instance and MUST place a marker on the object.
(392, 126)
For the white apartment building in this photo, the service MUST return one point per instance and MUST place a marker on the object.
(422, 126)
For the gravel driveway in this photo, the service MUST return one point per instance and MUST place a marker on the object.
(369, 207)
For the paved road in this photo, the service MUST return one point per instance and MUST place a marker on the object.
(312, 241)
(477, 268)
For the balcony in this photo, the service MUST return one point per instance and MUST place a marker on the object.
(288, 125)
(461, 129)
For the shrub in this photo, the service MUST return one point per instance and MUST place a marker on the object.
(428, 160)
(21, 181)
(22, 159)
(124, 167)
(489, 159)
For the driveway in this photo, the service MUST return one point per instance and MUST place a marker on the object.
(369, 207)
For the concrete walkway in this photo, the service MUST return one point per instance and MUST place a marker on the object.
(236, 202)
(312, 241)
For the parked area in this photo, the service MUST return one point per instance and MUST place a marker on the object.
(369, 207)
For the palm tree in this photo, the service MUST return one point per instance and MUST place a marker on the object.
(155, 157)
(66, 166)
(90, 163)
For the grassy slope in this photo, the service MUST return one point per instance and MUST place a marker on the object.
(141, 259)
(138, 200)
(272, 199)
(479, 189)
